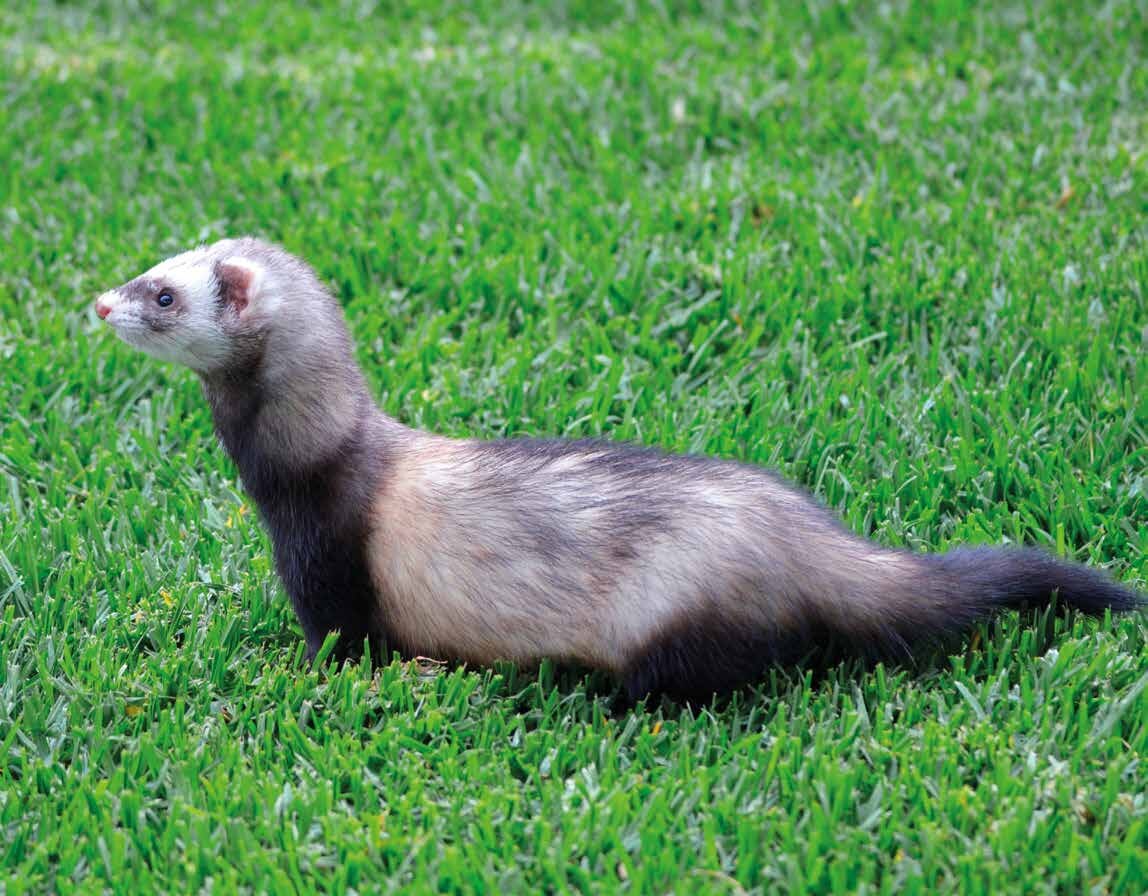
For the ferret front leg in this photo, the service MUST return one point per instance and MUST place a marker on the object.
(337, 607)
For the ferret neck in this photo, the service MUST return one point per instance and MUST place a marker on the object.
(279, 424)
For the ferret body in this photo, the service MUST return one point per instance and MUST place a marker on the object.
(681, 575)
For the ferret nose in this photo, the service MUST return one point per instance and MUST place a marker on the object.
(103, 309)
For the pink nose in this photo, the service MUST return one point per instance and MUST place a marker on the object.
(103, 309)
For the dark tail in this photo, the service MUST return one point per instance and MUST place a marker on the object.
(928, 599)
(953, 591)
(1001, 578)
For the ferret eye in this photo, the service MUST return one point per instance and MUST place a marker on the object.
(164, 299)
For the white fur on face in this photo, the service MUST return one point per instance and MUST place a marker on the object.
(195, 337)
(199, 341)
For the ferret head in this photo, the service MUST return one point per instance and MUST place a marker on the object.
(209, 309)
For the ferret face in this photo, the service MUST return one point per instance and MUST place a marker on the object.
(192, 309)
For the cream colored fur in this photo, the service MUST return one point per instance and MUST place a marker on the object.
(459, 573)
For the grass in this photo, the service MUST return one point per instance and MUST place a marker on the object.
(901, 256)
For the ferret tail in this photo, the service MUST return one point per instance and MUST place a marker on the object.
(940, 595)
(1015, 577)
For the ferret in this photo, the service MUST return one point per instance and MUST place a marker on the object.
(683, 576)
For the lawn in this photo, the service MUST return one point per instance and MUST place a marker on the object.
(901, 257)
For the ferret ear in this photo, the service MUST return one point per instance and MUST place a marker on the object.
(240, 281)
